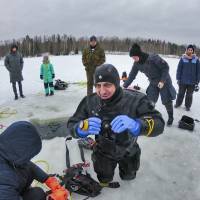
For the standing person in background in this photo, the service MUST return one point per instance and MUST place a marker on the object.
(157, 71)
(92, 57)
(14, 64)
(188, 76)
(47, 74)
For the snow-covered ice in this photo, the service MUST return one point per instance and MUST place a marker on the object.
(170, 163)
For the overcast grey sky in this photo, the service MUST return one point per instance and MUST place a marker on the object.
(171, 20)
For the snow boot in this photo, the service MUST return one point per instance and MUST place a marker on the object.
(187, 108)
(176, 106)
(51, 88)
(15, 90)
(110, 184)
(170, 121)
(47, 91)
(51, 93)
(20, 90)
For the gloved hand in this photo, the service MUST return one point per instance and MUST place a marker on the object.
(123, 122)
(41, 77)
(90, 126)
(161, 84)
(53, 75)
(59, 194)
(52, 183)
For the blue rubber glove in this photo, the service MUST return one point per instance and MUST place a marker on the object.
(94, 127)
(123, 122)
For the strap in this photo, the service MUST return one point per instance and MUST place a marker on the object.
(81, 152)
(67, 152)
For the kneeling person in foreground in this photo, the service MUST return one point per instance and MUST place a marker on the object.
(19, 143)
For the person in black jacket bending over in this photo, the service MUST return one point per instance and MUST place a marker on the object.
(157, 71)
(116, 117)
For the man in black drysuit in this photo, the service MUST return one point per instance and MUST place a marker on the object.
(116, 117)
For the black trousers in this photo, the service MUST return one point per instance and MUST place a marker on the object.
(105, 167)
(35, 193)
(15, 89)
(188, 90)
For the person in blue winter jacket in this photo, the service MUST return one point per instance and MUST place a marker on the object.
(19, 143)
(47, 74)
(188, 76)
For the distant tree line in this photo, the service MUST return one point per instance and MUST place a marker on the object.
(65, 45)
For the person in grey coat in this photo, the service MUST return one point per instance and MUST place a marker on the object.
(157, 71)
(14, 64)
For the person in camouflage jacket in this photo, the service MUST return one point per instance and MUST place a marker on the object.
(92, 57)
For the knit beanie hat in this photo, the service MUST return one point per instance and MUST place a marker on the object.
(190, 46)
(135, 50)
(107, 73)
(93, 38)
(13, 46)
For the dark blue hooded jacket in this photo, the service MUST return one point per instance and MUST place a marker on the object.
(19, 143)
(188, 71)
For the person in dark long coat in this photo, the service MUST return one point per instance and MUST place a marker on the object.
(14, 64)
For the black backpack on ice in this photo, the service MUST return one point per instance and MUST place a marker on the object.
(187, 123)
(60, 85)
(77, 179)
